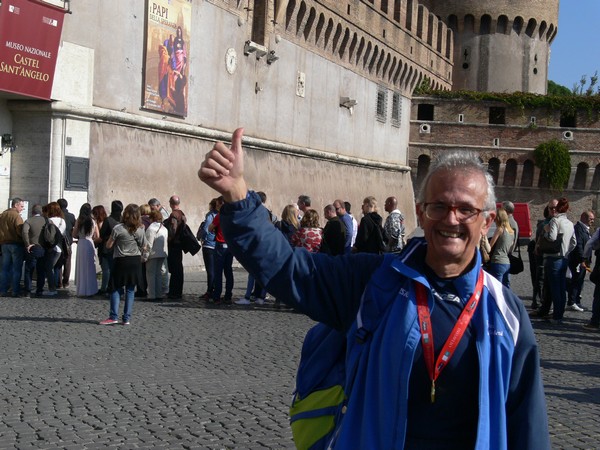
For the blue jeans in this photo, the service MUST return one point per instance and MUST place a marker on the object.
(49, 262)
(223, 264)
(106, 264)
(115, 298)
(555, 270)
(34, 260)
(12, 267)
(500, 272)
(259, 291)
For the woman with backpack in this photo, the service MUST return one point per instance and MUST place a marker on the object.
(129, 241)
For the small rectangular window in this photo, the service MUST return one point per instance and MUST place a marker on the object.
(496, 142)
(424, 112)
(568, 120)
(497, 115)
(396, 109)
(381, 107)
(461, 118)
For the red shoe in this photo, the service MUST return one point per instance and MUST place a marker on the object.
(108, 321)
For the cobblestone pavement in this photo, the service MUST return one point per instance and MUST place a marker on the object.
(188, 376)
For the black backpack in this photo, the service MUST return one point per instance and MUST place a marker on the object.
(50, 235)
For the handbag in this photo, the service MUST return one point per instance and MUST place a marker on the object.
(546, 246)
(516, 263)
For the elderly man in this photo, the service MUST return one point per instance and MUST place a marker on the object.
(13, 248)
(441, 333)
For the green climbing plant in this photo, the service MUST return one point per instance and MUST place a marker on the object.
(554, 160)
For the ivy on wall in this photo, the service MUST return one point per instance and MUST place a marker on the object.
(553, 159)
(568, 105)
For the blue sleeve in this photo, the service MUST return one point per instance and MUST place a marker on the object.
(527, 419)
(326, 288)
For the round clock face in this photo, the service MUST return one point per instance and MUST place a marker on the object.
(230, 60)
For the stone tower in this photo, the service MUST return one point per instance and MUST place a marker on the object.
(499, 45)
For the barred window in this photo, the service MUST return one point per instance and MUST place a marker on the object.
(381, 111)
(396, 109)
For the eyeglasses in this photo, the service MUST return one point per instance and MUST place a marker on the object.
(439, 211)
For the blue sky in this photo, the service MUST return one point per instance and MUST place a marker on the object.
(576, 50)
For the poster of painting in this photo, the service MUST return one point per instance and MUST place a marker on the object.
(168, 24)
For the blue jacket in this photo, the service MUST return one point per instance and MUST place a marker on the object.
(512, 410)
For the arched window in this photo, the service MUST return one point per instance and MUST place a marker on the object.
(502, 25)
(531, 25)
(510, 173)
(289, 13)
(309, 23)
(486, 24)
(494, 169)
(581, 176)
(527, 175)
(518, 25)
(596, 180)
(319, 29)
(300, 18)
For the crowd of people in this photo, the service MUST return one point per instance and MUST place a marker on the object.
(138, 249)
(300, 224)
(560, 255)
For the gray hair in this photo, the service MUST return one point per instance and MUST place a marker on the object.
(461, 160)
(153, 202)
(508, 206)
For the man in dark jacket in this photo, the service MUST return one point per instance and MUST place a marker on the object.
(334, 233)
(575, 285)
(65, 261)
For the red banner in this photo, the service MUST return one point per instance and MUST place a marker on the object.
(29, 37)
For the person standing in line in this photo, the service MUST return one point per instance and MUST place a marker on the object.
(394, 226)
(129, 241)
(334, 233)
(303, 203)
(289, 223)
(13, 249)
(34, 252)
(593, 246)
(156, 237)
(207, 239)
(86, 232)
(106, 261)
(556, 264)
(577, 262)
(369, 238)
(310, 234)
(55, 215)
(223, 265)
(348, 206)
(65, 261)
(99, 215)
(501, 243)
(340, 210)
(155, 205)
(440, 331)
(175, 225)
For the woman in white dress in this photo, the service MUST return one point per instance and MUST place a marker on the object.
(85, 231)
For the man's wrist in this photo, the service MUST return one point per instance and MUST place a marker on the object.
(237, 193)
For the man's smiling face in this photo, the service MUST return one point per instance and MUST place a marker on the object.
(451, 243)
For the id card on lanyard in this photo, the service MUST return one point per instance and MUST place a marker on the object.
(455, 335)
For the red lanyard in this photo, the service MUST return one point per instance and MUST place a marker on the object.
(455, 336)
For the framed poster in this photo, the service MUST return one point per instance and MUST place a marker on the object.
(166, 73)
